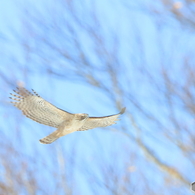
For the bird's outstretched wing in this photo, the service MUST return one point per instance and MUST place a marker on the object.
(93, 122)
(38, 109)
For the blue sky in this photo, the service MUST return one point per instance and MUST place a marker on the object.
(77, 97)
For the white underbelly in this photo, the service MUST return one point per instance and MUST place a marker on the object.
(74, 126)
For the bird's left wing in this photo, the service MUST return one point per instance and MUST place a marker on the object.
(38, 109)
(93, 122)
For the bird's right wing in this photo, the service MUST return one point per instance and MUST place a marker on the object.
(93, 122)
(38, 109)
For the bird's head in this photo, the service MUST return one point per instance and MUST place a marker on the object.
(81, 116)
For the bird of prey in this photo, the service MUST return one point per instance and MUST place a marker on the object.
(41, 111)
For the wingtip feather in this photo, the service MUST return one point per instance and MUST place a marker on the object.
(123, 110)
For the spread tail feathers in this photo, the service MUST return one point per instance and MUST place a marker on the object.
(50, 138)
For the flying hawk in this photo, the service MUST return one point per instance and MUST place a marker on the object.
(41, 111)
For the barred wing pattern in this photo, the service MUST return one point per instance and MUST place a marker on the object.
(38, 109)
(94, 122)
